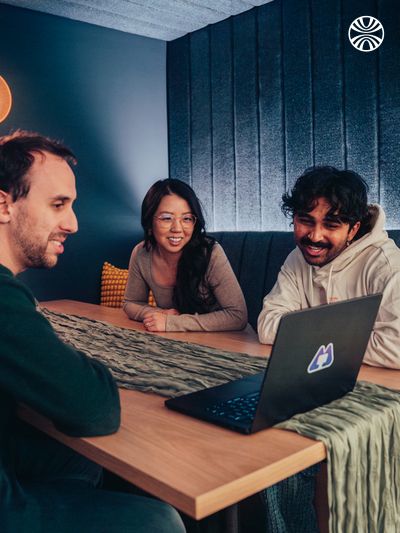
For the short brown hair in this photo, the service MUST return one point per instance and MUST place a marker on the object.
(16, 158)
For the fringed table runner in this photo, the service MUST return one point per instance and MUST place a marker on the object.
(150, 363)
(361, 431)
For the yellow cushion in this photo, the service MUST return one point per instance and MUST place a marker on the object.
(113, 283)
(152, 300)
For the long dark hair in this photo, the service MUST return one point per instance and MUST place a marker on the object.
(193, 263)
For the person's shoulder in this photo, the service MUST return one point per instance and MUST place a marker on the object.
(387, 253)
(216, 248)
(217, 252)
(139, 246)
(140, 250)
(12, 289)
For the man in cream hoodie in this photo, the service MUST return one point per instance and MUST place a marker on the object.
(342, 252)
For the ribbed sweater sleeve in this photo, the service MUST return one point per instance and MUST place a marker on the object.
(77, 393)
(137, 288)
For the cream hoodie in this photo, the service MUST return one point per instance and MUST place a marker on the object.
(369, 265)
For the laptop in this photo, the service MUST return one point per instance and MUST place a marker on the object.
(315, 359)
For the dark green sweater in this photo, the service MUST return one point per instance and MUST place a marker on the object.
(36, 368)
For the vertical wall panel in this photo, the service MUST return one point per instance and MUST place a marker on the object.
(245, 71)
(272, 153)
(288, 91)
(360, 81)
(327, 83)
(297, 88)
(389, 126)
(222, 126)
(201, 127)
(179, 136)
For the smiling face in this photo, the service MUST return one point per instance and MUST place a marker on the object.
(173, 237)
(41, 221)
(320, 235)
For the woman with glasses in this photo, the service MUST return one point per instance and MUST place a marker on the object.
(192, 282)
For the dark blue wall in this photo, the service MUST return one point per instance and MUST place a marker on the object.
(104, 93)
(255, 99)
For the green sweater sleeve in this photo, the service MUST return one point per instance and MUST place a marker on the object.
(77, 393)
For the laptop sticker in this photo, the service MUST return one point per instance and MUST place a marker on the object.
(322, 359)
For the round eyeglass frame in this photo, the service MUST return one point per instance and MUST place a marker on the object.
(165, 224)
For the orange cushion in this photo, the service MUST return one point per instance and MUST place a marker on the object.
(113, 283)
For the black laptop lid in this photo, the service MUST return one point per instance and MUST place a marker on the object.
(316, 358)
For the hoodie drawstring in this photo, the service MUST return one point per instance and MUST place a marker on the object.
(311, 286)
(329, 286)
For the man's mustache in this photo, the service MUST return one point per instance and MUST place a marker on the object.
(58, 236)
(305, 241)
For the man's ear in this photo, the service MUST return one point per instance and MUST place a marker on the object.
(353, 231)
(5, 212)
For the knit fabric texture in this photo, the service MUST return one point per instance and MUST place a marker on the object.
(289, 504)
(113, 283)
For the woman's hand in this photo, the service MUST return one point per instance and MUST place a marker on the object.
(170, 312)
(155, 321)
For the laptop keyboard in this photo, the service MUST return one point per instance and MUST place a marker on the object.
(241, 409)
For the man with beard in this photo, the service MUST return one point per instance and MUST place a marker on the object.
(45, 486)
(342, 252)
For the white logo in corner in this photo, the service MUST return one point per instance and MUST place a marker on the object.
(366, 33)
(322, 359)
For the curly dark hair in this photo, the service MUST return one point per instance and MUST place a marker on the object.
(345, 190)
(195, 258)
(16, 158)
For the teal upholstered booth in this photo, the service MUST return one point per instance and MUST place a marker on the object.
(256, 257)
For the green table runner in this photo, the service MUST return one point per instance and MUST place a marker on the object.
(150, 363)
(361, 431)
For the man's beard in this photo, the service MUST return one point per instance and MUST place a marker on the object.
(33, 254)
(331, 251)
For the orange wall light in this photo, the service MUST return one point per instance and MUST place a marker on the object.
(5, 99)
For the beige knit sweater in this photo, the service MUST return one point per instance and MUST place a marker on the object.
(229, 313)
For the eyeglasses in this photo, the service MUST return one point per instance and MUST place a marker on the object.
(166, 220)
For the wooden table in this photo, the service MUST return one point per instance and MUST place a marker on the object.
(197, 467)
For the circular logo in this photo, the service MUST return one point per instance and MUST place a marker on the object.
(366, 33)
